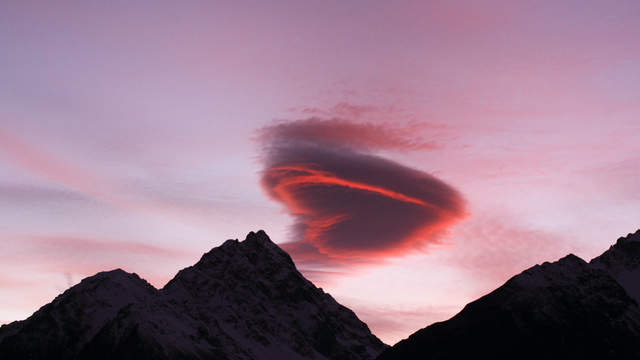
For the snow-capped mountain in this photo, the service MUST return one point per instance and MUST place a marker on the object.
(569, 309)
(242, 300)
(622, 261)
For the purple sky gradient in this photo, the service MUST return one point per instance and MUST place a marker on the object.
(129, 135)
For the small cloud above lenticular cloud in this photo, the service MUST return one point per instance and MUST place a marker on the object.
(350, 206)
(342, 133)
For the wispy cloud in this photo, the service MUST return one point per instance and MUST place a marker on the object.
(21, 193)
(338, 132)
(84, 256)
(491, 249)
(48, 167)
(68, 181)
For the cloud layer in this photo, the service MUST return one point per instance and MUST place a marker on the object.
(351, 206)
(337, 132)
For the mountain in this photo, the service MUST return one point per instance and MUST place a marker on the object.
(622, 261)
(242, 300)
(569, 309)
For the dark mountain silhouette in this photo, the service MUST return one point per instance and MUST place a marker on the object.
(242, 300)
(569, 309)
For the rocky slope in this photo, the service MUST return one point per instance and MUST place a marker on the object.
(568, 309)
(622, 261)
(242, 300)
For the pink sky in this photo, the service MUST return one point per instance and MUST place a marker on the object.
(138, 136)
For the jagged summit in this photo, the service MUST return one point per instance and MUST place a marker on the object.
(622, 261)
(256, 243)
(562, 271)
(567, 260)
(257, 256)
(625, 252)
(260, 238)
(631, 237)
(241, 300)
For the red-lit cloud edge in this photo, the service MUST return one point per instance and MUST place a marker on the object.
(351, 206)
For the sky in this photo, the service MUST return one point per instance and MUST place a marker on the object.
(411, 156)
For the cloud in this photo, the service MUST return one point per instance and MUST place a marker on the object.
(85, 245)
(342, 133)
(70, 181)
(496, 248)
(48, 167)
(23, 193)
(350, 206)
(80, 255)
(344, 110)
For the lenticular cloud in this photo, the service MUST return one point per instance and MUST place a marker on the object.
(349, 204)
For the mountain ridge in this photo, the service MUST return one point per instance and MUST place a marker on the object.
(241, 300)
(569, 308)
(246, 300)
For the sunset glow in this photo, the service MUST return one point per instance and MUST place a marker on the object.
(410, 156)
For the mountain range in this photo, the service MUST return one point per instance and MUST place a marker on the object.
(246, 300)
(242, 300)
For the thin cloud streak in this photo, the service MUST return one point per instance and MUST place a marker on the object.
(82, 183)
(84, 256)
(33, 160)
(22, 193)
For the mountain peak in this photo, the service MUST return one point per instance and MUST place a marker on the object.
(115, 280)
(256, 251)
(565, 309)
(261, 240)
(572, 259)
(622, 261)
(243, 300)
(631, 237)
(625, 253)
(259, 237)
(256, 279)
(117, 274)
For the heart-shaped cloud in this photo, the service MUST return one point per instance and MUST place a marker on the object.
(349, 205)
